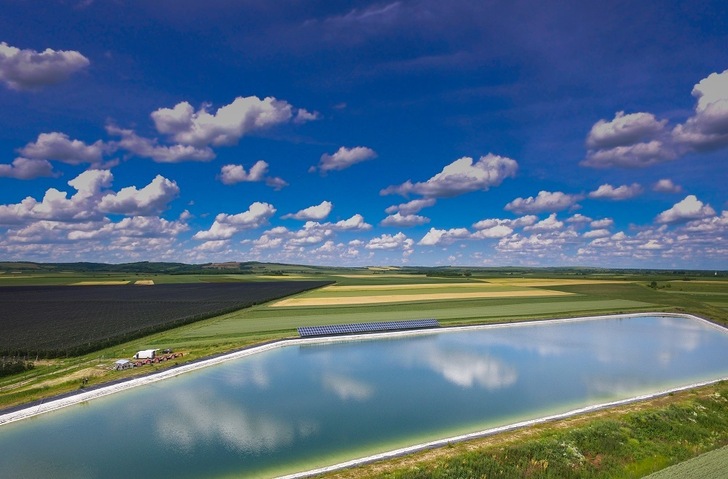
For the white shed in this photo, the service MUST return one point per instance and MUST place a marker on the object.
(122, 364)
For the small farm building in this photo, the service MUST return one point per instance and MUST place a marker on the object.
(122, 364)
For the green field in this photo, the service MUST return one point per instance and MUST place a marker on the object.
(711, 465)
(264, 319)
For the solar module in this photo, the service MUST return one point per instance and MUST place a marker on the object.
(333, 329)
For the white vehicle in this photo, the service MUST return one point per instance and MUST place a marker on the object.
(146, 354)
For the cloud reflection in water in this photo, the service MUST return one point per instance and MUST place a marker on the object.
(347, 388)
(467, 369)
(464, 364)
(196, 419)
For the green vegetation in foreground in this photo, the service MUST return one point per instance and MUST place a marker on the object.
(628, 442)
(711, 465)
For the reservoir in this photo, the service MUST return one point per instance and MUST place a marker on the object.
(306, 404)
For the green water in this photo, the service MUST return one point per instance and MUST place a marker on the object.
(304, 406)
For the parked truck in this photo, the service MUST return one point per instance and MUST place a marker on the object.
(146, 354)
(150, 356)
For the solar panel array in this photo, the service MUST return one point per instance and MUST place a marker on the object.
(307, 331)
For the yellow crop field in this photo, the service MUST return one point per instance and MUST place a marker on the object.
(380, 276)
(285, 277)
(385, 287)
(546, 282)
(334, 300)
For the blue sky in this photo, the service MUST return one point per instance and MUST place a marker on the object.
(365, 133)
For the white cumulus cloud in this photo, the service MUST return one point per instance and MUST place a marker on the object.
(136, 226)
(609, 192)
(437, 236)
(150, 200)
(602, 223)
(91, 201)
(56, 206)
(30, 69)
(690, 208)
(224, 127)
(231, 174)
(344, 158)
(26, 169)
(578, 219)
(639, 139)
(59, 147)
(710, 225)
(666, 185)
(600, 233)
(499, 228)
(356, 222)
(225, 225)
(639, 155)
(548, 224)
(303, 115)
(624, 130)
(149, 148)
(296, 245)
(496, 231)
(707, 129)
(544, 201)
(398, 219)
(312, 213)
(411, 207)
(389, 242)
(630, 141)
(461, 176)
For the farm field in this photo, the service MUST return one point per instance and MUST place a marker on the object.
(52, 321)
(270, 318)
(275, 320)
(713, 464)
(337, 299)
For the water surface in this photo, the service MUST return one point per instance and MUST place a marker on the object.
(307, 405)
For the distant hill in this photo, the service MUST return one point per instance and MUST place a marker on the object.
(148, 267)
(254, 267)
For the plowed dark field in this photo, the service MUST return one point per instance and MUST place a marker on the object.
(53, 321)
